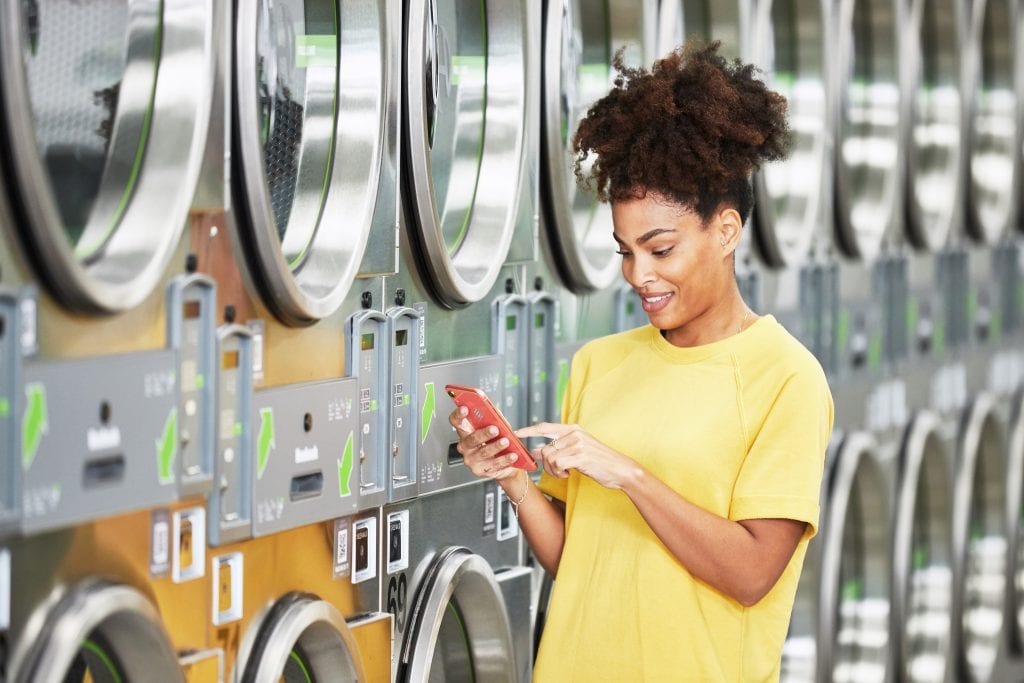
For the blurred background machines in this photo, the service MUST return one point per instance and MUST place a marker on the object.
(244, 246)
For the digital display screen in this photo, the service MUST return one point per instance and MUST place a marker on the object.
(401, 337)
(229, 360)
(367, 341)
(538, 320)
(510, 322)
(190, 310)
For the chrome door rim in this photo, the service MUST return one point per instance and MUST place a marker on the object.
(723, 21)
(586, 262)
(453, 572)
(130, 624)
(312, 283)
(923, 464)
(1015, 518)
(136, 234)
(467, 273)
(864, 218)
(980, 432)
(854, 459)
(785, 233)
(992, 200)
(299, 620)
(933, 122)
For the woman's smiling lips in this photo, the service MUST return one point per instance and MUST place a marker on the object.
(652, 303)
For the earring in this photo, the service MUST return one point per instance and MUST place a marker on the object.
(722, 241)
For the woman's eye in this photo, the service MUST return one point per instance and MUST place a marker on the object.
(662, 252)
(623, 253)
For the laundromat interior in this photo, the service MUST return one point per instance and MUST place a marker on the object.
(244, 245)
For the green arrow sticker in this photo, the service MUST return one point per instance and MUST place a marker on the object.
(266, 440)
(852, 589)
(427, 416)
(345, 469)
(166, 447)
(563, 381)
(34, 425)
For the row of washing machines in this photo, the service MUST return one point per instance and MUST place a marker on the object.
(244, 244)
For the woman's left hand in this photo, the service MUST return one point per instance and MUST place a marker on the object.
(572, 447)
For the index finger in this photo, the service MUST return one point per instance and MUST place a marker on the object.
(548, 430)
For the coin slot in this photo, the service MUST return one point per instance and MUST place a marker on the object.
(306, 486)
(188, 559)
(105, 412)
(307, 422)
(227, 588)
(191, 310)
(103, 471)
(454, 457)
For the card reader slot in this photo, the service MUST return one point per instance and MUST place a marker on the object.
(454, 457)
(306, 486)
(103, 471)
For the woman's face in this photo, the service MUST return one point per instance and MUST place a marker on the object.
(678, 265)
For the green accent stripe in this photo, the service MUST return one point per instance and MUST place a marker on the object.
(465, 639)
(301, 664)
(103, 657)
(81, 252)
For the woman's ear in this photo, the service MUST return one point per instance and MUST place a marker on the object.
(730, 227)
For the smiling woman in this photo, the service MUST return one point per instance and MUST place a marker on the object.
(682, 487)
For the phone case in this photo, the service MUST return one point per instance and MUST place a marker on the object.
(483, 413)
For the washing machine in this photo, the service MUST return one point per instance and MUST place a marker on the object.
(452, 581)
(839, 630)
(1015, 515)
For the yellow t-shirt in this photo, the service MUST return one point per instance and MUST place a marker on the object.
(738, 427)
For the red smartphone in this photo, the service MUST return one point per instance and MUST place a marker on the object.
(483, 413)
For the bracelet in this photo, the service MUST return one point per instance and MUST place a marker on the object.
(526, 491)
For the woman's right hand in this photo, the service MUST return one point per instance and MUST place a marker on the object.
(484, 455)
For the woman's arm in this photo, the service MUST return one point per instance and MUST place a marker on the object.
(541, 520)
(741, 559)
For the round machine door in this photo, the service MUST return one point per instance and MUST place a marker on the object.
(300, 638)
(922, 560)
(96, 631)
(466, 85)
(459, 629)
(580, 41)
(994, 117)
(979, 542)
(103, 143)
(800, 649)
(867, 115)
(311, 91)
(853, 612)
(933, 115)
(790, 45)
(1015, 519)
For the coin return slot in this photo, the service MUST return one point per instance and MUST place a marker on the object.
(306, 486)
(454, 457)
(103, 471)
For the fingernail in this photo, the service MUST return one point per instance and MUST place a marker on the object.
(503, 442)
(512, 458)
(493, 431)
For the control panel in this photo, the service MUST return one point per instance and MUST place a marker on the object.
(230, 501)
(629, 313)
(510, 338)
(403, 332)
(305, 454)
(192, 332)
(367, 361)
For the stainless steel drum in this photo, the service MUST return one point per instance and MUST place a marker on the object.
(299, 638)
(459, 627)
(96, 631)
(1015, 517)
(105, 108)
(993, 124)
(466, 87)
(922, 561)
(725, 20)
(311, 87)
(853, 611)
(789, 42)
(867, 115)
(580, 40)
(933, 120)
(979, 542)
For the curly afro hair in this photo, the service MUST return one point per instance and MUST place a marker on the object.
(692, 130)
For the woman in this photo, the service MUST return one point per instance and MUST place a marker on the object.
(684, 479)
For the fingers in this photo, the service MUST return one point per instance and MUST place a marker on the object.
(457, 419)
(548, 430)
(491, 466)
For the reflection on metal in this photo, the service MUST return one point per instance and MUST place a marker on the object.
(1015, 516)
(95, 631)
(789, 43)
(979, 542)
(800, 649)
(299, 638)
(679, 20)
(105, 142)
(933, 108)
(459, 629)
(922, 556)
(993, 125)
(310, 105)
(465, 120)
(853, 612)
(580, 39)
(867, 114)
